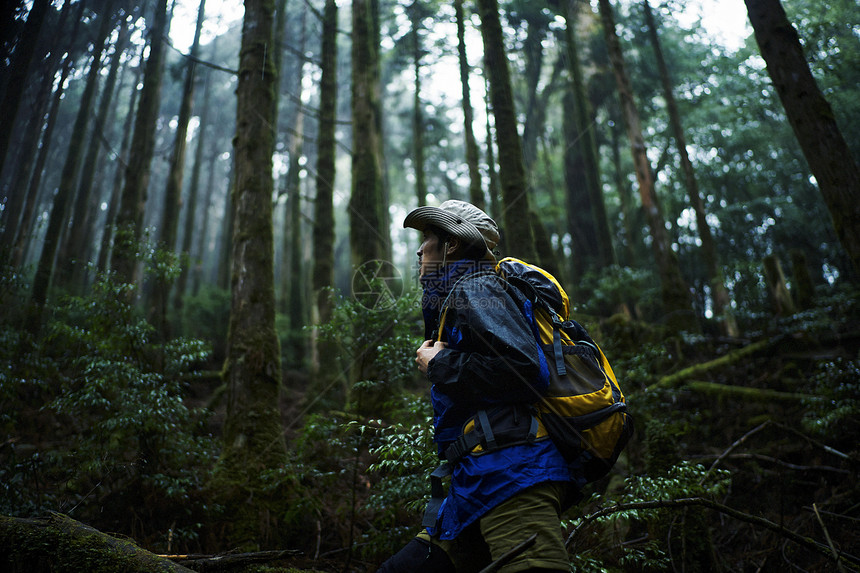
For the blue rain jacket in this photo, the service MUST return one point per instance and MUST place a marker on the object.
(492, 359)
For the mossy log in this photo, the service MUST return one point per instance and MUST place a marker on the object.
(747, 393)
(677, 378)
(59, 544)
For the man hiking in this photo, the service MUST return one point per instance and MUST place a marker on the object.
(486, 370)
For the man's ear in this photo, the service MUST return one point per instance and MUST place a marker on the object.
(452, 245)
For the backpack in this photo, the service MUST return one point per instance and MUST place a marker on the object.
(583, 410)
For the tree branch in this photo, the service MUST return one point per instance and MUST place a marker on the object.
(807, 542)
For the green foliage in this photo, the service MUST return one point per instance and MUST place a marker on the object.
(615, 286)
(104, 407)
(835, 417)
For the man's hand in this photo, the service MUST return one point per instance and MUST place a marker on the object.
(426, 352)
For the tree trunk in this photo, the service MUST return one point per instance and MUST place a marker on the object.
(780, 297)
(18, 199)
(417, 115)
(519, 238)
(193, 195)
(719, 293)
(116, 186)
(71, 169)
(812, 120)
(677, 304)
(583, 119)
(804, 289)
(367, 236)
(476, 193)
(323, 230)
(78, 237)
(494, 187)
(59, 544)
(253, 439)
(17, 76)
(328, 385)
(129, 221)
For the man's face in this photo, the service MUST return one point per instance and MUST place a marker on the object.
(430, 254)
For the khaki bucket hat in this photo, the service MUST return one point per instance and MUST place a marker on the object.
(463, 220)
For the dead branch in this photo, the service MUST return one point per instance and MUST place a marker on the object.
(202, 563)
(808, 542)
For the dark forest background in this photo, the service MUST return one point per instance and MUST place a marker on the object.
(209, 309)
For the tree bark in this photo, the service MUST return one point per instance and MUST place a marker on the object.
(367, 236)
(417, 115)
(677, 304)
(129, 221)
(583, 119)
(518, 234)
(719, 293)
(59, 544)
(253, 438)
(71, 169)
(476, 193)
(812, 120)
(17, 78)
(79, 235)
(778, 293)
(118, 177)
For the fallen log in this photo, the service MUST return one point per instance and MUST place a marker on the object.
(60, 544)
(695, 371)
(202, 563)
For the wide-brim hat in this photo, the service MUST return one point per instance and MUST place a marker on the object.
(463, 220)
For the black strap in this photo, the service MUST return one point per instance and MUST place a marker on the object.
(487, 429)
(437, 495)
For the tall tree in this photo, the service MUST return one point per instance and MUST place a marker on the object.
(324, 224)
(71, 166)
(159, 295)
(476, 193)
(367, 234)
(79, 235)
(16, 80)
(19, 201)
(716, 281)
(129, 220)
(677, 304)
(118, 177)
(519, 238)
(253, 439)
(587, 180)
(193, 196)
(416, 13)
(812, 120)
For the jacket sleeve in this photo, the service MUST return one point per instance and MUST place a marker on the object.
(492, 355)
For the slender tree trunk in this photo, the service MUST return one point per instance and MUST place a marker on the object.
(328, 383)
(160, 294)
(677, 303)
(116, 186)
(719, 293)
(476, 192)
(812, 120)
(17, 198)
(417, 115)
(628, 210)
(201, 250)
(27, 216)
(323, 231)
(368, 237)
(580, 223)
(253, 438)
(494, 187)
(519, 238)
(193, 195)
(17, 78)
(129, 221)
(77, 239)
(71, 169)
(583, 118)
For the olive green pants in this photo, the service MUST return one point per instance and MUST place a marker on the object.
(536, 510)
